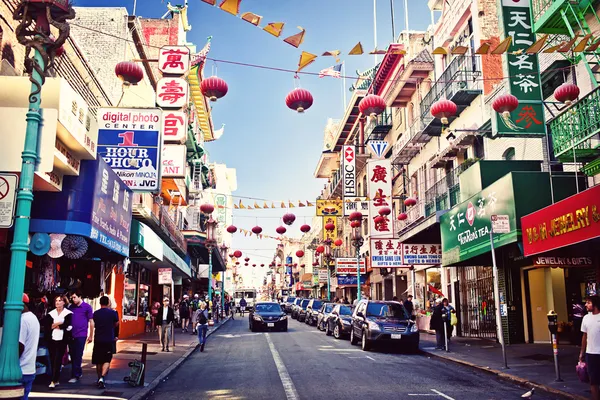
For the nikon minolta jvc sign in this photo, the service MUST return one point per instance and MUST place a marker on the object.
(349, 171)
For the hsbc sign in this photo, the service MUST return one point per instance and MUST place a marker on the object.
(349, 171)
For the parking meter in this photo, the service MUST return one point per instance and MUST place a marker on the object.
(553, 328)
(552, 322)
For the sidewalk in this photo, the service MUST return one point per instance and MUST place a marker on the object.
(531, 365)
(158, 366)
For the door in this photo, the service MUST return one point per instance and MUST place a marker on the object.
(539, 304)
(388, 290)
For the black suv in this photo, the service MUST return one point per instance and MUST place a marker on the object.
(385, 322)
(339, 321)
(312, 311)
(301, 310)
(288, 304)
(267, 315)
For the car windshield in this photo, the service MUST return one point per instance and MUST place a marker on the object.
(386, 310)
(268, 307)
(328, 308)
(291, 299)
(345, 310)
(297, 301)
(316, 304)
(304, 304)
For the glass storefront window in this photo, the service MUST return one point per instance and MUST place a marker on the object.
(144, 295)
(130, 293)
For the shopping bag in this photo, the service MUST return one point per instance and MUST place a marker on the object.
(453, 319)
(582, 372)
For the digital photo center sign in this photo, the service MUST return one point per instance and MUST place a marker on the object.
(130, 142)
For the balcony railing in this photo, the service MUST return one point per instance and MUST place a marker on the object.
(378, 127)
(445, 193)
(575, 127)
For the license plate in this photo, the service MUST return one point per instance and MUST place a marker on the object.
(270, 324)
(396, 336)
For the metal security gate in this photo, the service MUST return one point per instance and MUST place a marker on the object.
(477, 311)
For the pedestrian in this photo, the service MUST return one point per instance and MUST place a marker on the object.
(154, 312)
(590, 343)
(148, 322)
(58, 331)
(226, 308)
(408, 305)
(243, 306)
(184, 312)
(232, 309)
(395, 298)
(202, 328)
(447, 311)
(106, 334)
(29, 336)
(177, 321)
(83, 332)
(164, 322)
(195, 307)
(437, 324)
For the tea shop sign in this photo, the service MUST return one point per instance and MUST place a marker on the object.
(572, 220)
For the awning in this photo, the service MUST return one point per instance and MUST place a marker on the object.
(197, 249)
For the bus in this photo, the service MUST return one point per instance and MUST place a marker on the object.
(248, 294)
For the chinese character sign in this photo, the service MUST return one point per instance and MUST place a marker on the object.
(379, 177)
(172, 92)
(174, 126)
(422, 254)
(361, 206)
(329, 208)
(386, 253)
(330, 235)
(174, 60)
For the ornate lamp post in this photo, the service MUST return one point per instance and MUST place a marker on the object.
(357, 241)
(34, 37)
(210, 244)
(224, 250)
(328, 256)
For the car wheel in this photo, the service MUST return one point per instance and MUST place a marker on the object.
(366, 343)
(285, 328)
(336, 331)
(327, 331)
(353, 339)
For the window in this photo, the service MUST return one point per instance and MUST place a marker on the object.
(144, 297)
(509, 154)
(130, 296)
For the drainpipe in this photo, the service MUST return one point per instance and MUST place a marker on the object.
(361, 143)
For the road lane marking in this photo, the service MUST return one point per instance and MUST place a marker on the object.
(370, 358)
(422, 394)
(284, 376)
(442, 394)
(435, 393)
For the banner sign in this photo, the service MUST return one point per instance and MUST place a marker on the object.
(174, 60)
(361, 206)
(386, 253)
(349, 280)
(569, 221)
(541, 261)
(422, 254)
(329, 207)
(347, 266)
(174, 160)
(523, 72)
(174, 127)
(129, 140)
(349, 171)
(330, 235)
(379, 175)
(323, 275)
(165, 276)
(172, 93)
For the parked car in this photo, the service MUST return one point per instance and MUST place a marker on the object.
(267, 315)
(312, 310)
(383, 322)
(323, 315)
(339, 321)
(302, 309)
(289, 302)
(295, 307)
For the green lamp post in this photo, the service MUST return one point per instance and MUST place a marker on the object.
(223, 248)
(210, 244)
(35, 37)
(358, 241)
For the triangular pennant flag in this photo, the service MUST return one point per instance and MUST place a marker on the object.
(553, 48)
(231, 6)
(484, 48)
(250, 208)
(309, 204)
(273, 205)
(332, 53)
(593, 47)
(297, 39)
(375, 51)
(246, 233)
(261, 236)
(397, 51)
(356, 50)
(503, 46)
(440, 50)
(306, 59)
(282, 204)
(567, 46)
(583, 44)
(235, 206)
(265, 205)
(292, 205)
(462, 50)
(243, 207)
(537, 46)
(211, 2)
(256, 205)
(252, 18)
(300, 204)
(274, 28)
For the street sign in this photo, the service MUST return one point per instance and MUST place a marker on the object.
(8, 199)
(347, 266)
(500, 223)
(378, 147)
(165, 276)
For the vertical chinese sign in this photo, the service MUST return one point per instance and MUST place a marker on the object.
(330, 235)
(523, 74)
(379, 175)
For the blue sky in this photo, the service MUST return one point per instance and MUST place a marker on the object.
(274, 149)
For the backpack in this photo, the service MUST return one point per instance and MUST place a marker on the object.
(202, 318)
(195, 305)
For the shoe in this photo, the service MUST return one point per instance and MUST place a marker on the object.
(51, 385)
(163, 349)
(73, 380)
(202, 347)
(168, 350)
(101, 384)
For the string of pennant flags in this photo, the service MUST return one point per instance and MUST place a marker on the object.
(265, 205)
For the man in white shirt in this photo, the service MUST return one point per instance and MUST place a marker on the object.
(590, 343)
(164, 319)
(29, 337)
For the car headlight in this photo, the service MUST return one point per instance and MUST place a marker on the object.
(345, 322)
(373, 326)
(257, 317)
(414, 328)
(283, 317)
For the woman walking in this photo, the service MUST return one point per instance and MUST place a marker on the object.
(57, 331)
(202, 328)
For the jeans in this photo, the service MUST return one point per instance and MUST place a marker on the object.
(76, 348)
(27, 382)
(202, 329)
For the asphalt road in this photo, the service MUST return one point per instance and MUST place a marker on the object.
(304, 363)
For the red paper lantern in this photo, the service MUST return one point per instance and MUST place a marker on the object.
(129, 72)
(410, 202)
(371, 105)
(214, 88)
(338, 242)
(402, 216)
(246, 264)
(505, 104)
(247, 259)
(237, 254)
(295, 264)
(299, 254)
(207, 208)
(289, 218)
(354, 224)
(254, 265)
(299, 100)
(232, 229)
(385, 211)
(320, 249)
(302, 265)
(305, 228)
(315, 264)
(281, 230)
(379, 219)
(330, 227)
(566, 93)
(262, 265)
(237, 263)
(355, 216)
(443, 109)
(230, 255)
(257, 230)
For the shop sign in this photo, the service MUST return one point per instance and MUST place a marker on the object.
(172, 93)
(322, 275)
(422, 254)
(165, 276)
(315, 280)
(8, 199)
(329, 207)
(174, 126)
(347, 266)
(379, 175)
(569, 221)
(174, 160)
(174, 60)
(129, 140)
(386, 253)
(349, 280)
(466, 227)
(361, 205)
(111, 210)
(330, 235)
(500, 223)
(66, 157)
(147, 240)
(349, 171)
(523, 72)
(54, 179)
(542, 261)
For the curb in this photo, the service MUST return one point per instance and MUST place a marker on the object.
(143, 393)
(507, 377)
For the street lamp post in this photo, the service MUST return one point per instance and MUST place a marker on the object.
(223, 249)
(210, 244)
(358, 241)
(34, 37)
(328, 257)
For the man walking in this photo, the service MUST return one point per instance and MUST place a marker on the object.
(166, 316)
(408, 305)
(590, 343)
(243, 306)
(106, 323)
(29, 337)
(195, 306)
(83, 332)
(184, 312)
